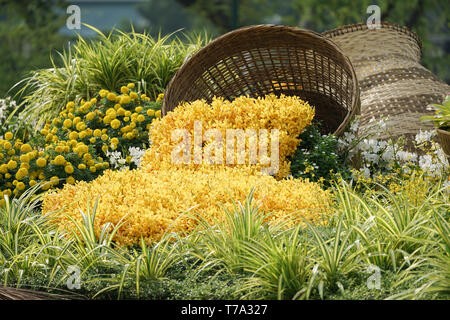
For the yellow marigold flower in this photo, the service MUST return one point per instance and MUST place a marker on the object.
(150, 112)
(115, 124)
(12, 164)
(121, 111)
(76, 120)
(87, 157)
(115, 141)
(125, 100)
(82, 135)
(111, 112)
(160, 97)
(129, 135)
(59, 149)
(104, 137)
(83, 149)
(44, 132)
(59, 160)
(54, 180)
(140, 118)
(70, 104)
(158, 114)
(20, 186)
(67, 123)
(107, 120)
(32, 183)
(24, 158)
(81, 166)
(90, 116)
(73, 135)
(104, 148)
(97, 133)
(9, 135)
(41, 162)
(70, 180)
(25, 148)
(25, 165)
(103, 93)
(93, 101)
(92, 169)
(124, 89)
(130, 85)
(7, 145)
(21, 173)
(111, 96)
(134, 96)
(92, 140)
(81, 126)
(3, 168)
(46, 186)
(68, 169)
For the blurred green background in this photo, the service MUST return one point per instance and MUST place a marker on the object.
(31, 31)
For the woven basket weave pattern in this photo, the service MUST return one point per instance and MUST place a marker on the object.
(265, 59)
(393, 84)
(444, 140)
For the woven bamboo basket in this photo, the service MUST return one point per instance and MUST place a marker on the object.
(264, 59)
(392, 81)
(444, 141)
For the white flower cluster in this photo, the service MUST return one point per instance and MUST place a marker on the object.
(119, 162)
(16, 122)
(6, 107)
(136, 155)
(380, 156)
(116, 160)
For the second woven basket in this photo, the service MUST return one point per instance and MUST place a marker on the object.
(392, 81)
(264, 59)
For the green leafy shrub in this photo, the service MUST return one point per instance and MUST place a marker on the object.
(317, 157)
(441, 118)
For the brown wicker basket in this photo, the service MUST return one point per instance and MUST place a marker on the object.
(444, 141)
(264, 59)
(392, 81)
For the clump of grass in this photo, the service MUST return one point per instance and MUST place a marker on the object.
(109, 62)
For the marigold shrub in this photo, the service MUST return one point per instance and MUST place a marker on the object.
(153, 201)
(80, 143)
(289, 114)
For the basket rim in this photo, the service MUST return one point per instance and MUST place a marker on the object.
(349, 28)
(285, 28)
